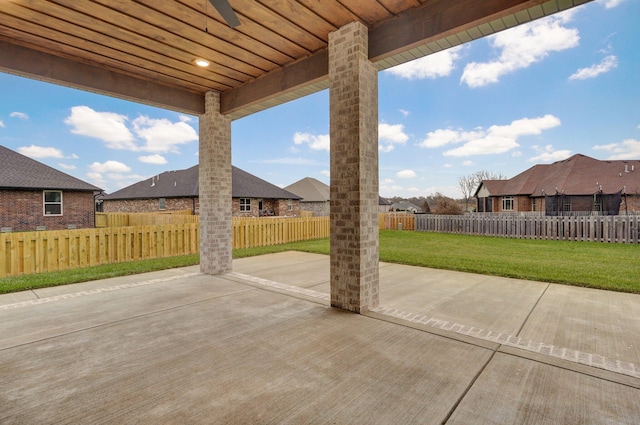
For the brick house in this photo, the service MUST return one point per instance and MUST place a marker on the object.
(179, 190)
(34, 196)
(577, 184)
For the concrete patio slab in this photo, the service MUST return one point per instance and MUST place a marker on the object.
(485, 302)
(444, 347)
(601, 322)
(291, 268)
(116, 300)
(250, 356)
(513, 390)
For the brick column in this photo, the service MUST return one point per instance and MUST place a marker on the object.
(353, 100)
(215, 188)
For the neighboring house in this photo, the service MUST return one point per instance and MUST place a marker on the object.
(384, 206)
(34, 196)
(577, 184)
(179, 190)
(405, 206)
(315, 196)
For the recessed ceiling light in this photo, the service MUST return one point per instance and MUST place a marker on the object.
(202, 62)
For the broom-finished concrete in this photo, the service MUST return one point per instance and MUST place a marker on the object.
(261, 346)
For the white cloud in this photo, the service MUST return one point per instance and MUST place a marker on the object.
(404, 112)
(162, 135)
(439, 64)
(97, 179)
(109, 167)
(627, 149)
(442, 137)
(448, 165)
(390, 135)
(40, 152)
(522, 46)
(106, 126)
(315, 142)
(326, 173)
(20, 115)
(467, 163)
(67, 166)
(610, 4)
(153, 159)
(1, 123)
(549, 154)
(406, 174)
(496, 139)
(606, 65)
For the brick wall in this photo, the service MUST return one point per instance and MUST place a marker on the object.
(279, 207)
(22, 210)
(150, 205)
(632, 205)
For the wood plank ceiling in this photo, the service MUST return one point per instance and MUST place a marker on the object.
(144, 50)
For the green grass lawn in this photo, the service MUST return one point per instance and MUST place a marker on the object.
(591, 264)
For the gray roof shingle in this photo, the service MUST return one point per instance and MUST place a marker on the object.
(20, 172)
(184, 184)
(310, 189)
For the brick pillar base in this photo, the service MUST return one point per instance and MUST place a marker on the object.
(353, 100)
(215, 188)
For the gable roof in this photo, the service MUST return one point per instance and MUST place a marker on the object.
(576, 175)
(310, 190)
(313, 190)
(406, 206)
(185, 184)
(20, 172)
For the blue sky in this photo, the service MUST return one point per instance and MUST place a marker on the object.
(537, 93)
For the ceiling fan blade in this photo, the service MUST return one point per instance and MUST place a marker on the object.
(224, 8)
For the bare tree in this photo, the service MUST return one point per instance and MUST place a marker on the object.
(469, 183)
(445, 205)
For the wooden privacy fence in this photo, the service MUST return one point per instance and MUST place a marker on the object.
(145, 219)
(620, 228)
(396, 221)
(253, 232)
(47, 251)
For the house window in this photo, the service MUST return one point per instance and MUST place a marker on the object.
(52, 202)
(567, 204)
(289, 204)
(162, 203)
(533, 204)
(507, 203)
(245, 204)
